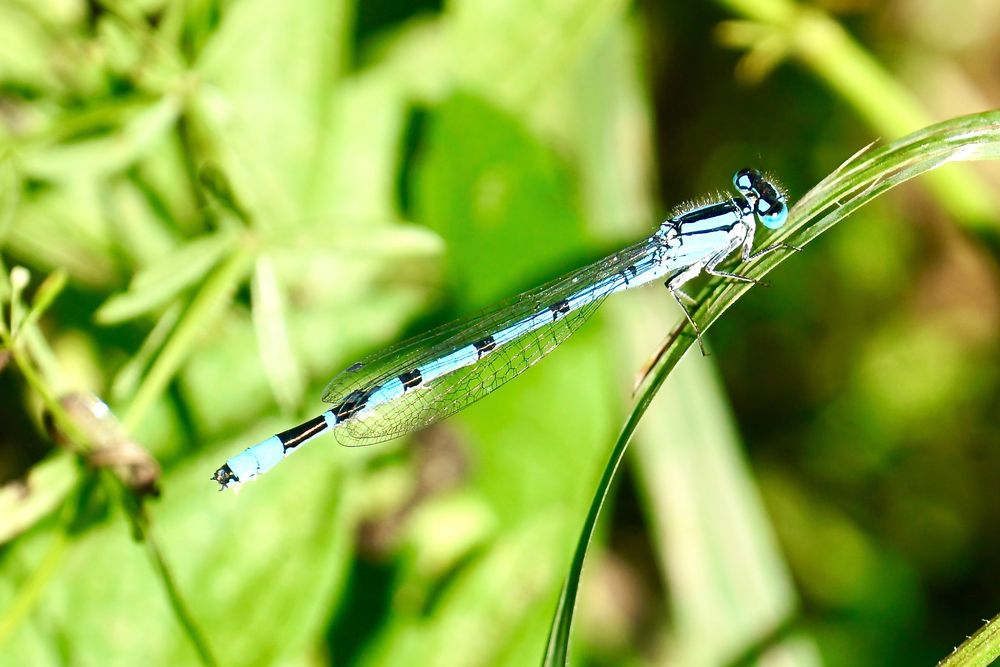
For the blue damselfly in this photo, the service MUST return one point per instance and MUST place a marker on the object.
(425, 379)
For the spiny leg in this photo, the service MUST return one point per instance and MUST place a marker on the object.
(711, 267)
(748, 253)
(712, 271)
(685, 296)
(674, 287)
(748, 256)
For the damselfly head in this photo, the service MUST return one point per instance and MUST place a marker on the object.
(768, 201)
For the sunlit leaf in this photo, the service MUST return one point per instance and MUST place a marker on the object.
(64, 228)
(43, 298)
(107, 153)
(10, 194)
(105, 578)
(265, 111)
(156, 285)
(283, 368)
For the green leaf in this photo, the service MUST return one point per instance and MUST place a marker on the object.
(498, 70)
(266, 109)
(26, 56)
(261, 580)
(10, 194)
(374, 240)
(142, 234)
(108, 153)
(46, 294)
(65, 227)
(478, 618)
(284, 372)
(208, 304)
(866, 175)
(488, 196)
(156, 285)
(356, 173)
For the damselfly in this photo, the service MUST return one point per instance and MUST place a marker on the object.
(423, 380)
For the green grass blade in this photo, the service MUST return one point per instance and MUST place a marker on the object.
(866, 175)
(47, 292)
(979, 650)
(731, 592)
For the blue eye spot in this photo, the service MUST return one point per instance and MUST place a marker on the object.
(743, 180)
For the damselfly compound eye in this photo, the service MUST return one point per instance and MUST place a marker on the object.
(772, 214)
(767, 200)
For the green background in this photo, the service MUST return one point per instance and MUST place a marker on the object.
(245, 197)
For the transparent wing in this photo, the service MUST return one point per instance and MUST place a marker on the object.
(445, 395)
(405, 355)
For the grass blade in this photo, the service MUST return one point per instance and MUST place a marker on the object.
(979, 650)
(716, 549)
(859, 180)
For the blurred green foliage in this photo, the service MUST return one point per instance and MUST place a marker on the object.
(234, 200)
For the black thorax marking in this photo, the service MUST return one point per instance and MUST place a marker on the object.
(711, 230)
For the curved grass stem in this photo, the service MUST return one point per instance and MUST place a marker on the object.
(863, 177)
